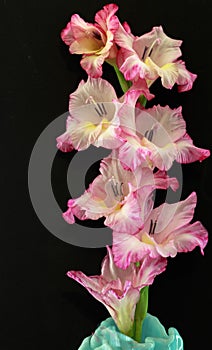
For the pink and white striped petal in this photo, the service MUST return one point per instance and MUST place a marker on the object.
(187, 152)
(166, 232)
(126, 217)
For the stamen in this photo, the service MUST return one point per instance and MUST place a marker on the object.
(96, 35)
(99, 108)
(117, 188)
(144, 53)
(149, 134)
(104, 109)
(93, 34)
(150, 52)
(150, 49)
(152, 227)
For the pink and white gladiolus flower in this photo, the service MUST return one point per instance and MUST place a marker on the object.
(156, 136)
(119, 195)
(95, 42)
(167, 231)
(151, 56)
(119, 290)
(92, 119)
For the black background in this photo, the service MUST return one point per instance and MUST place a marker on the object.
(41, 308)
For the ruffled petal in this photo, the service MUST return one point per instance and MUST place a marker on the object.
(64, 142)
(184, 239)
(109, 137)
(84, 134)
(68, 216)
(123, 36)
(185, 78)
(67, 35)
(111, 272)
(145, 179)
(92, 206)
(132, 67)
(96, 90)
(163, 158)
(166, 250)
(141, 85)
(167, 124)
(154, 133)
(163, 181)
(123, 308)
(129, 249)
(130, 154)
(144, 44)
(172, 73)
(165, 49)
(165, 137)
(168, 73)
(92, 64)
(79, 26)
(170, 217)
(188, 153)
(106, 19)
(145, 198)
(97, 188)
(126, 218)
(148, 270)
(92, 284)
(188, 237)
(110, 167)
(74, 209)
(126, 115)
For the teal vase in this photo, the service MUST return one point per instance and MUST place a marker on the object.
(154, 336)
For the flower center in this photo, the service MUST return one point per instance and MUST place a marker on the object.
(148, 50)
(94, 39)
(149, 134)
(114, 189)
(98, 106)
(96, 35)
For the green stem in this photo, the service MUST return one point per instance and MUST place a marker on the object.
(142, 99)
(140, 313)
(125, 85)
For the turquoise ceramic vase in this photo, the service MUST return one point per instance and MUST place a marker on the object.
(154, 336)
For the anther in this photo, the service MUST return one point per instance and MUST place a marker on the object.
(100, 109)
(149, 134)
(117, 188)
(152, 227)
(144, 53)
